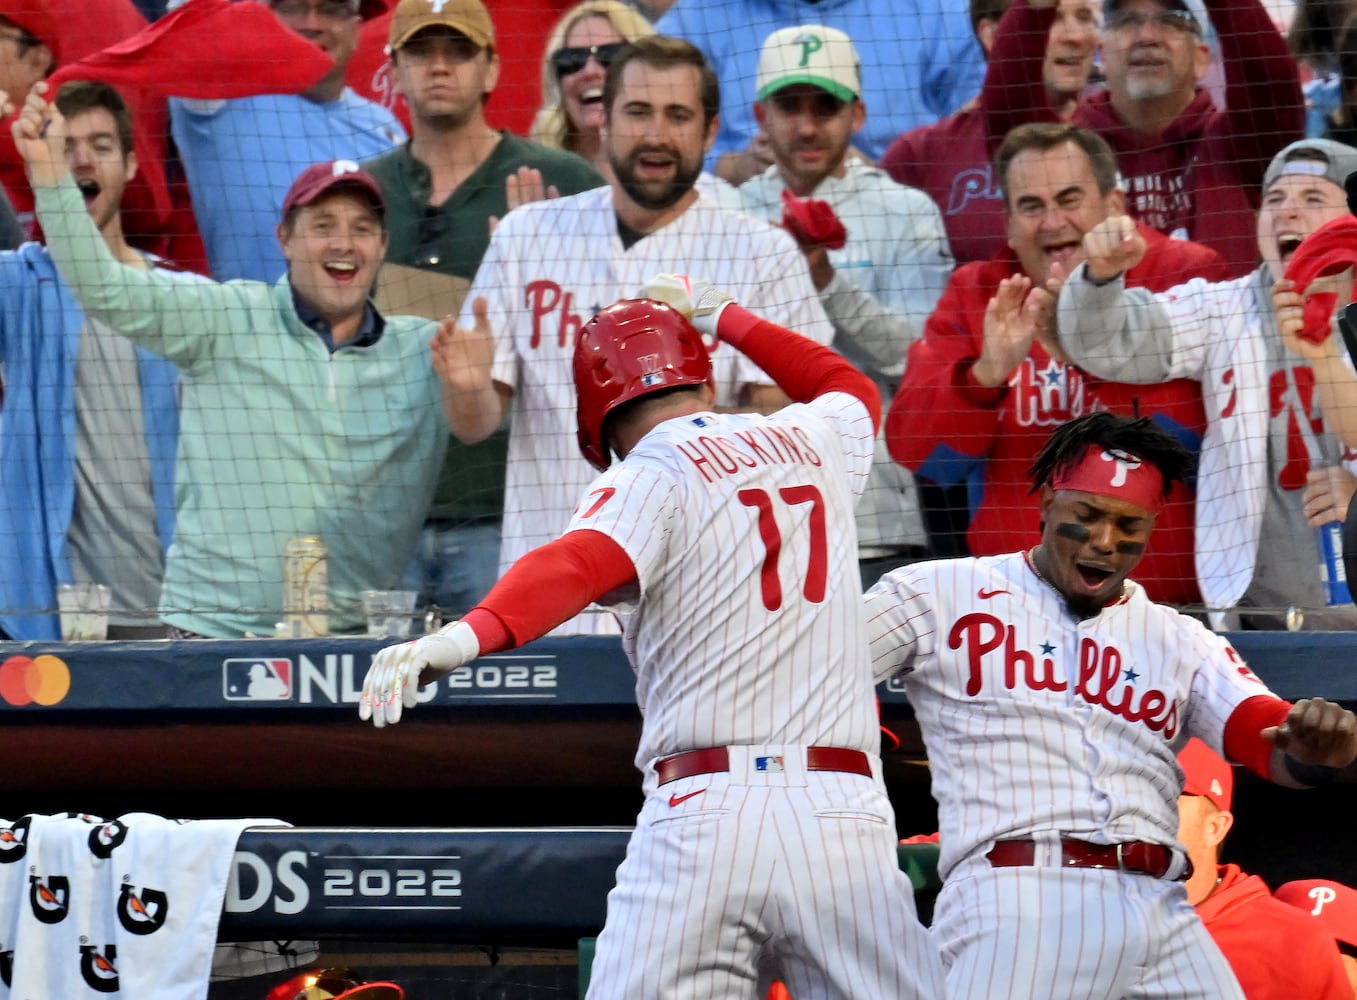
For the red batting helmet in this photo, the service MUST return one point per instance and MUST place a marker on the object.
(632, 348)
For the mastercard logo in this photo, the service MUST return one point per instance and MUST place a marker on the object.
(26, 680)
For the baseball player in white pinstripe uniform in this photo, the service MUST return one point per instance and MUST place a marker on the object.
(1052, 696)
(766, 845)
(553, 264)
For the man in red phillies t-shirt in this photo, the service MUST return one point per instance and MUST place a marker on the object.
(1276, 952)
(985, 385)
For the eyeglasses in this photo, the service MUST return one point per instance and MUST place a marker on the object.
(432, 225)
(568, 61)
(329, 10)
(1134, 20)
(821, 104)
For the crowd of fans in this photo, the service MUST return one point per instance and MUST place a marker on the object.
(1006, 133)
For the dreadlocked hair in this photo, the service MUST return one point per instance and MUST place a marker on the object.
(1138, 436)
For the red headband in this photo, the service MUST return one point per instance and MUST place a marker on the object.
(1116, 474)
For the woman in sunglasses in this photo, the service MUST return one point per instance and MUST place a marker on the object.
(579, 50)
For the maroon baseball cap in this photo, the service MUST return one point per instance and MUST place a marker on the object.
(1333, 904)
(320, 179)
(1206, 773)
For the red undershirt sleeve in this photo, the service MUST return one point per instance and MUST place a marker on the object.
(548, 586)
(802, 368)
(1242, 742)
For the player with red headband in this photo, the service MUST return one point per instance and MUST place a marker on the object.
(766, 844)
(1052, 696)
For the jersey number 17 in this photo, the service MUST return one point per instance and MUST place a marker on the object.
(817, 566)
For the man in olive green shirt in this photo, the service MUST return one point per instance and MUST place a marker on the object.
(444, 189)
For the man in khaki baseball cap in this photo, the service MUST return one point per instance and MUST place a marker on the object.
(442, 189)
(469, 17)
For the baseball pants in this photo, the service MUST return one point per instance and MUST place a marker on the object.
(749, 876)
(1075, 933)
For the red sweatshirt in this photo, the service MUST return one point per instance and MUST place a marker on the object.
(1202, 177)
(1275, 955)
(945, 427)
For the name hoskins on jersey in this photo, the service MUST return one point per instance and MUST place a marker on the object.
(715, 457)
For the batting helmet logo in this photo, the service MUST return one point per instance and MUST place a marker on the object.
(632, 348)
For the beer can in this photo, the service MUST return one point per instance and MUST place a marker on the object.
(1333, 572)
(306, 600)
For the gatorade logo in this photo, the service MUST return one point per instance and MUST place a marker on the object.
(143, 911)
(99, 969)
(810, 44)
(42, 680)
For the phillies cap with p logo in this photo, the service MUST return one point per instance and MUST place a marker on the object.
(469, 17)
(1333, 904)
(320, 179)
(811, 53)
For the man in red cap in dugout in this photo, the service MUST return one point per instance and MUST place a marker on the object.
(1334, 907)
(1274, 955)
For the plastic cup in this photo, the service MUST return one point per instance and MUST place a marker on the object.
(400, 611)
(374, 610)
(84, 611)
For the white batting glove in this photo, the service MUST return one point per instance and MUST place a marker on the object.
(699, 301)
(392, 682)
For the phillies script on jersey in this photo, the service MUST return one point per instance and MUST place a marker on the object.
(1100, 668)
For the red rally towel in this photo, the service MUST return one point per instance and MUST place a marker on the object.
(812, 222)
(209, 50)
(1330, 249)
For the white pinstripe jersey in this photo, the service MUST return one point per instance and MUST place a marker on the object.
(550, 266)
(1038, 722)
(747, 628)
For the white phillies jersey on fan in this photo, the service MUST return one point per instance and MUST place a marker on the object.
(550, 267)
(748, 625)
(1036, 721)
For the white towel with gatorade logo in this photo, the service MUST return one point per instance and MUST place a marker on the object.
(121, 908)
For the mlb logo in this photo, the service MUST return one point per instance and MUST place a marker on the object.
(652, 378)
(256, 679)
(772, 765)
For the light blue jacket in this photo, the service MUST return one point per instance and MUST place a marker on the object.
(279, 436)
(920, 59)
(242, 155)
(40, 326)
